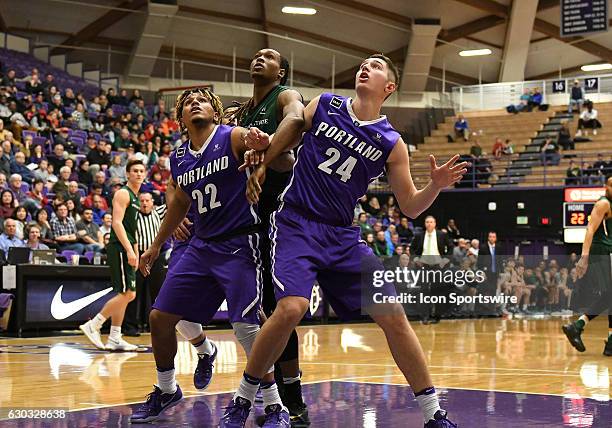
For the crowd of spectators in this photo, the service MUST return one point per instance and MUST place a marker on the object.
(63, 156)
(540, 285)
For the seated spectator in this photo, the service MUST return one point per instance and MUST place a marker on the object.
(9, 80)
(523, 104)
(96, 189)
(46, 234)
(7, 204)
(573, 174)
(462, 128)
(72, 211)
(19, 167)
(64, 231)
(565, 139)
(20, 215)
(15, 187)
(89, 232)
(34, 242)
(107, 224)
(460, 252)
(601, 168)
(405, 231)
(58, 157)
(99, 159)
(535, 100)
(364, 226)
(98, 210)
(483, 169)
(452, 231)
(508, 148)
(476, 149)
(84, 177)
(163, 167)
(9, 236)
(588, 120)
(498, 148)
(63, 180)
(370, 241)
(576, 96)
(37, 154)
(117, 169)
(381, 248)
(74, 194)
(5, 162)
(123, 141)
(372, 207)
(549, 153)
(158, 185)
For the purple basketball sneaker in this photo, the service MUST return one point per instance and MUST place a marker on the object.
(277, 416)
(236, 414)
(157, 402)
(440, 421)
(204, 371)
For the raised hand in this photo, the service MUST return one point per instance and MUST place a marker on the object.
(447, 174)
(253, 186)
(256, 139)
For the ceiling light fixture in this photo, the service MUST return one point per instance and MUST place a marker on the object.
(298, 10)
(596, 67)
(475, 52)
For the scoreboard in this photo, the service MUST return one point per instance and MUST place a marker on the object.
(577, 206)
(577, 214)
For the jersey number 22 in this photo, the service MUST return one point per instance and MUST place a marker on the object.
(211, 190)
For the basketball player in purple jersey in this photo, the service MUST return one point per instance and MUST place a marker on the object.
(346, 145)
(222, 260)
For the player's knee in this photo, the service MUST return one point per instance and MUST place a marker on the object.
(189, 330)
(159, 320)
(129, 295)
(291, 309)
(245, 334)
(392, 323)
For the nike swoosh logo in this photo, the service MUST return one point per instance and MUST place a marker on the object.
(180, 163)
(234, 252)
(61, 310)
(331, 113)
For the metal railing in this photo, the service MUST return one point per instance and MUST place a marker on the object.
(500, 95)
(508, 172)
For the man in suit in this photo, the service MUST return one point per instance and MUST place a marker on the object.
(490, 261)
(430, 249)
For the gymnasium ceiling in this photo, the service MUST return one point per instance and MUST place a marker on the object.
(347, 30)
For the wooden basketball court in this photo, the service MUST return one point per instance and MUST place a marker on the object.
(482, 362)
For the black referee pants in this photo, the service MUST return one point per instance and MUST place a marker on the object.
(147, 289)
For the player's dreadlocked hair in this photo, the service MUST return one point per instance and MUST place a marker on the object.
(215, 102)
(236, 114)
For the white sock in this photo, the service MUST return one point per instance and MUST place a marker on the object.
(585, 319)
(115, 332)
(269, 391)
(428, 402)
(290, 380)
(98, 320)
(248, 388)
(166, 381)
(204, 347)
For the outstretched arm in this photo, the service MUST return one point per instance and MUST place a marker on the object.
(411, 201)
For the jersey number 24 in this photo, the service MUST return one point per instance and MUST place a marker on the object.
(344, 170)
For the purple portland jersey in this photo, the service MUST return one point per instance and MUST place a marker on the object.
(336, 161)
(211, 178)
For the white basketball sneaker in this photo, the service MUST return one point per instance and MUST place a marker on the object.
(92, 333)
(118, 344)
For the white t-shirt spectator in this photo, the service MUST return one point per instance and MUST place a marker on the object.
(588, 115)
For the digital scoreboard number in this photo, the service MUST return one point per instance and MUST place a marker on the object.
(577, 214)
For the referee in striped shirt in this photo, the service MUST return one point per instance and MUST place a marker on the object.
(148, 223)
